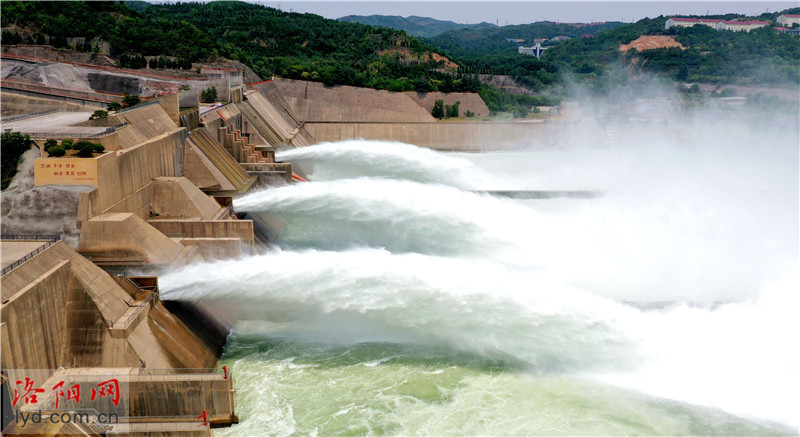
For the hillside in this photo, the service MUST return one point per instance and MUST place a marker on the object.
(413, 25)
(475, 41)
(265, 39)
(125, 31)
(762, 56)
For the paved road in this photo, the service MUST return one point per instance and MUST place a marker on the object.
(14, 250)
(56, 123)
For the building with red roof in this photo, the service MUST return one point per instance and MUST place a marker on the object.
(716, 23)
(788, 20)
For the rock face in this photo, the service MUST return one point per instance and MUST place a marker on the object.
(83, 78)
(106, 83)
(40, 210)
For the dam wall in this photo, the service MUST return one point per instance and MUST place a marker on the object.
(61, 310)
(178, 197)
(15, 103)
(467, 102)
(99, 83)
(273, 118)
(311, 110)
(446, 136)
(335, 97)
(210, 166)
(126, 236)
(57, 311)
(189, 228)
(122, 175)
(145, 122)
(36, 313)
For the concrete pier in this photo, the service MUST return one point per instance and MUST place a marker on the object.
(66, 320)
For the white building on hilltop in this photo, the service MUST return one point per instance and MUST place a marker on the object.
(689, 22)
(536, 50)
(788, 20)
(717, 24)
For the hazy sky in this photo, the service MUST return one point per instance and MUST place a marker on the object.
(520, 12)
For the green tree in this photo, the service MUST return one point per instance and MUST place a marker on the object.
(129, 100)
(67, 144)
(452, 110)
(12, 146)
(209, 95)
(438, 109)
(98, 114)
(84, 148)
(50, 143)
(114, 106)
(56, 151)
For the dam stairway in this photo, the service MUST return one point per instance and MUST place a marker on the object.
(220, 157)
(261, 125)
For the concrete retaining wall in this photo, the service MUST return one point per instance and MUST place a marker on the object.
(15, 103)
(320, 110)
(121, 174)
(36, 314)
(177, 395)
(151, 120)
(170, 104)
(242, 229)
(126, 235)
(350, 96)
(468, 102)
(178, 197)
(215, 248)
(458, 136)
(57, 311)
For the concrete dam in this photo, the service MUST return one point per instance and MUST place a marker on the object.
(85, 239)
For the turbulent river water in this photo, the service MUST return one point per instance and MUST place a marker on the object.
(405, 300)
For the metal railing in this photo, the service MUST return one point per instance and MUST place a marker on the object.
(49, 241)
(151, 290)
(142, 303)
(31, 115)
(175, 234)
(17, 84)
(137, 106)
(31, 237)
(109, 130)
(225, 372)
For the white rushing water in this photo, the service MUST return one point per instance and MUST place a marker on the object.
(400, 302)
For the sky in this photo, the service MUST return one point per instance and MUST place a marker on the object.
(521, 12)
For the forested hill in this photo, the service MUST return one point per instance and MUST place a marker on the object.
(761, 56)
(472, 41)
(125, 31)
(266, 39)
(413, 25)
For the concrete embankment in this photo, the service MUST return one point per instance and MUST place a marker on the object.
(65, 319)
(445, 136)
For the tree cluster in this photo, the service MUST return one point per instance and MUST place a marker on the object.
(98, 114)
(440, 110)
(209, 95)
(85, 149)
(12, 146)
(761, 56)
(58, 41)
(163, 62)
